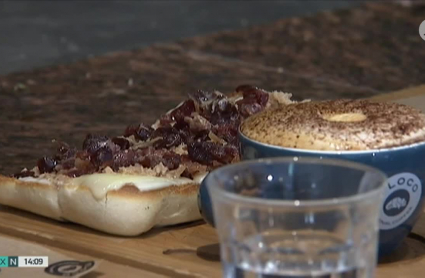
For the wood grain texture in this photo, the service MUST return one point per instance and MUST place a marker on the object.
(171, 252)
(183, 251)
(21, 247)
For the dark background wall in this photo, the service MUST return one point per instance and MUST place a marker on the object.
(39, 33)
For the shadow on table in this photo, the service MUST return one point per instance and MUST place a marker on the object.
(412, 248)
(80, 228)
(160, 230)
(210, 252)
(94, 274)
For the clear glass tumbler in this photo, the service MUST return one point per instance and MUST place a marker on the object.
(297, 217)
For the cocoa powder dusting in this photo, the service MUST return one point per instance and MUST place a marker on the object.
(385, 125)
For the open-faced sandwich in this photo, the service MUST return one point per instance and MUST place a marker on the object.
(149, 176)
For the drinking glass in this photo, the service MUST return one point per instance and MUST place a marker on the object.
(297, 217)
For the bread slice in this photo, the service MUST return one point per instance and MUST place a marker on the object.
(34, 195)
(127, 211)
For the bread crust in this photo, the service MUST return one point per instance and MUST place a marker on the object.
(126, 212)
(36, 197)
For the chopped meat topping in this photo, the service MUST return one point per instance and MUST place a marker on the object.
(208, 152)
(123, 143)
(197, 136)
(46, 164)
(140, 132)
(254, 100)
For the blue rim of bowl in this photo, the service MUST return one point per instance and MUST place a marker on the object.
(340, 152)
(233, 197)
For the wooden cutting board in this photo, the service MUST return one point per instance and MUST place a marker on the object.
(182, 251)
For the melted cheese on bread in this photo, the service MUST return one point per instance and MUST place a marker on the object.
(101, 183)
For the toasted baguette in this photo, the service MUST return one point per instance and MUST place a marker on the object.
(126, 212)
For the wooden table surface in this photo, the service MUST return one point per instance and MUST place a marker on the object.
(13, 246)
(357, 53)
(188, 250)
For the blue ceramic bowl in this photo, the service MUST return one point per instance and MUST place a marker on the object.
(404, 194)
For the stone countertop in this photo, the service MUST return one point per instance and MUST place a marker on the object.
(376, 47)
(355, 53)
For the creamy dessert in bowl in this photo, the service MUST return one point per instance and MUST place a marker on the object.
(387, 136)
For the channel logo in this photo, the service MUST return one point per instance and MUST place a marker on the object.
(422, 30)
(23, 261)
